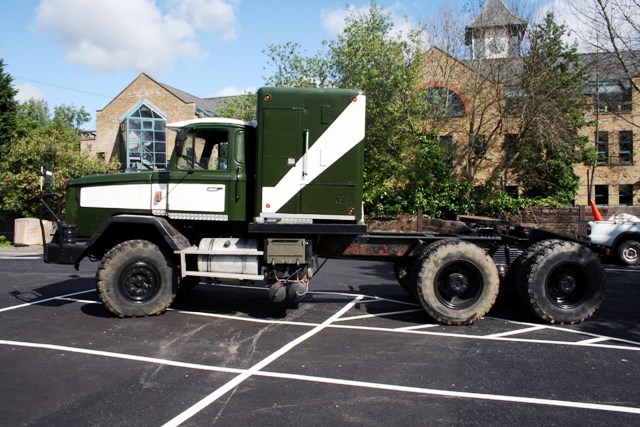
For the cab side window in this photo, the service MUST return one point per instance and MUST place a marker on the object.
(206, 149)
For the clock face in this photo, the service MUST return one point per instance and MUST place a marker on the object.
(496, 46)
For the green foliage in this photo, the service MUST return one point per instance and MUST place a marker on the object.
(553, 115)
(241, 107)
(39, 141)
(494, 204)
(4, 242)
(8, 107)
(292, 67)
(422, 179)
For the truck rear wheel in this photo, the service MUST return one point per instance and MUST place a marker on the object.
(564, 283)
(517, 273)
(136, 278)
(456, 282)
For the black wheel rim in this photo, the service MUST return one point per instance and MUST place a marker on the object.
(459, 285)
(567, 286)
(139, 282)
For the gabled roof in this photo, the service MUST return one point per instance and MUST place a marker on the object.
(495, 13)
(203, 104)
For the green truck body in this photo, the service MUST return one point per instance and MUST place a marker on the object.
(259, 202)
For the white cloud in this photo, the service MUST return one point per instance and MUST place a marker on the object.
(28, 91)
(209, 15)
(114, 35)
(333, 20)
(232, 90)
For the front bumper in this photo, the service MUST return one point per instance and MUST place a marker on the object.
(69, 254)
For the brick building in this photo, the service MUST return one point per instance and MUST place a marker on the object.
(131, 128)
(475, 97)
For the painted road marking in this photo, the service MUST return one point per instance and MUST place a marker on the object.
(516, 332)
(593, 342)
(184, 416)
(28, 304)
(332, 381)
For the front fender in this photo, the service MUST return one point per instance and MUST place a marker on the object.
(120, 228)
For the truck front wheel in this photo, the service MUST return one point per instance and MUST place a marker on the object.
(456, 282)
(136, 278)
(564, 283)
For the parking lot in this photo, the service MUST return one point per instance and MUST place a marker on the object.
(356, 350)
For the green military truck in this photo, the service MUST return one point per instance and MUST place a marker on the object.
(258, 203)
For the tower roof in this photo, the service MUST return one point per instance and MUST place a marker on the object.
(495, 13)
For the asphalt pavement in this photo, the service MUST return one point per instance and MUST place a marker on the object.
(355, 351)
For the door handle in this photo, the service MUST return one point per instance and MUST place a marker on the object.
(238, 169)
(214, 188)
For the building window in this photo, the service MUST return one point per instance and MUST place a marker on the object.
(514, 99)
(512, 191)
(145, 139)
(602, 147)
(510, 141)
(625, 195)
(444, 102)
(611, 97)
(479, 146)
(602, 194)
(625, 151)
(446, 143)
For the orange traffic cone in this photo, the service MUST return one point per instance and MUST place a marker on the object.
(595, 211)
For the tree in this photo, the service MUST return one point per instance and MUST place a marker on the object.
(552, 112)
(611, 27)
(241, 107)
(40, 140)
(402, 156)
(372, 55)
(292, 66)
(8, 108)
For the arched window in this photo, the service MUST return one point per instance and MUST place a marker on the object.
(145, 138)
(444, 102)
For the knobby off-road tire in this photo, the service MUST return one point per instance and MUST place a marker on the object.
(629, 252)
(456, 282)
(136, 278)
(564, 282)
(518, 270)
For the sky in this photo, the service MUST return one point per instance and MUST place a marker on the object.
(85, 52)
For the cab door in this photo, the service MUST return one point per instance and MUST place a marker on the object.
(200, 181)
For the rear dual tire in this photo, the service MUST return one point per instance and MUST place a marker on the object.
(560, 281)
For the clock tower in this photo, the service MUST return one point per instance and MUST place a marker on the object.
(495, 33)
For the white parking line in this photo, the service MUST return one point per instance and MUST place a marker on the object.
(369, 316)
(418, 329)
(184, 416)
(14, 307)
(325, 380)
(21, 257)
(516, 332)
